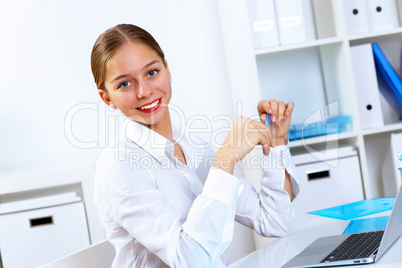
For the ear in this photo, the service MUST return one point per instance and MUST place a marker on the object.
(168, 71)
(104, 96)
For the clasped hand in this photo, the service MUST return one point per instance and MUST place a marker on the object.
(246, 133)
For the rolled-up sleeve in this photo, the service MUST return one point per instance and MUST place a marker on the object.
(270, 212)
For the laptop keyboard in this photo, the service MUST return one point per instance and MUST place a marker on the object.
(356, 246)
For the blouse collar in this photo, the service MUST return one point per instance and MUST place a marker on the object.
(151, 141)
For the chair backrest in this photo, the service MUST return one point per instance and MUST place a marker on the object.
(99, 255)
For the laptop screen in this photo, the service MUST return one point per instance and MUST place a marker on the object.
(394, 226)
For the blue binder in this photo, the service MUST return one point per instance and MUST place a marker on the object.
(389, 82)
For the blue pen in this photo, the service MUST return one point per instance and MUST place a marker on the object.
(272, 126)
(268, 120)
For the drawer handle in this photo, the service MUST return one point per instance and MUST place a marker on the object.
(41, 221)
(320, 174)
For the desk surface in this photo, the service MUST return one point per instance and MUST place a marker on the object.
(283, 249)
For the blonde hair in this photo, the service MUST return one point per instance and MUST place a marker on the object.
(110, 41)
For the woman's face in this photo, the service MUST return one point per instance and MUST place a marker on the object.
(138, 83)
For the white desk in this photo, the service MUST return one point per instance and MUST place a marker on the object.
(283, 249)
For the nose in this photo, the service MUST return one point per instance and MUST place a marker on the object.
(143, 91)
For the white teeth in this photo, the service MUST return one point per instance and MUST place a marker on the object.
(152, 105)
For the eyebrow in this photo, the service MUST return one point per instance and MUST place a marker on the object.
(126, 75)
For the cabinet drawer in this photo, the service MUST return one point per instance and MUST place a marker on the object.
(327, 184)
(35, 237)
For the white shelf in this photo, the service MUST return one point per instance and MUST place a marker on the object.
(314, 43)
(323, 139)
(375, 34)
(384, 129)
(326, 41)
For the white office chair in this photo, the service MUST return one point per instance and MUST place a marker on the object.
(99, 255)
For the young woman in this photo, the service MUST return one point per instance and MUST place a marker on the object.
(159, 204)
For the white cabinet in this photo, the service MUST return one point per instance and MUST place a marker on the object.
(33, 237)
(317, 75)
(59, 195)
(326, 182)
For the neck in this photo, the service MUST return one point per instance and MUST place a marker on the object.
(164, 127)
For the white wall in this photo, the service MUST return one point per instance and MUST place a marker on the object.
(45, 72)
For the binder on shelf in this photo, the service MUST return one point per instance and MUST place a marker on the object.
(289, 16)
(356, 16)
(366, 86)
(389, 83)
(382, 14)
(263, 23)
(308, 20)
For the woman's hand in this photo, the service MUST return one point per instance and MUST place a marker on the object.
(242, 138)
(281, 113)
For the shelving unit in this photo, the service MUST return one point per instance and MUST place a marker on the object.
(312, 74)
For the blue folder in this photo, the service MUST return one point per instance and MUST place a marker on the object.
(389, 82)
(366, 225)
(331, 125)
(357, 209)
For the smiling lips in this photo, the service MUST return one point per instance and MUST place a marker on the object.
(150, 107)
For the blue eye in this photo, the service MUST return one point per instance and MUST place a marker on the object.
(152, 73)
(125, 84)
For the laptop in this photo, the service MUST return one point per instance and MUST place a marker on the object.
(349, 249)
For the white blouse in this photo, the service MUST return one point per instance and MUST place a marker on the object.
(159, 212)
